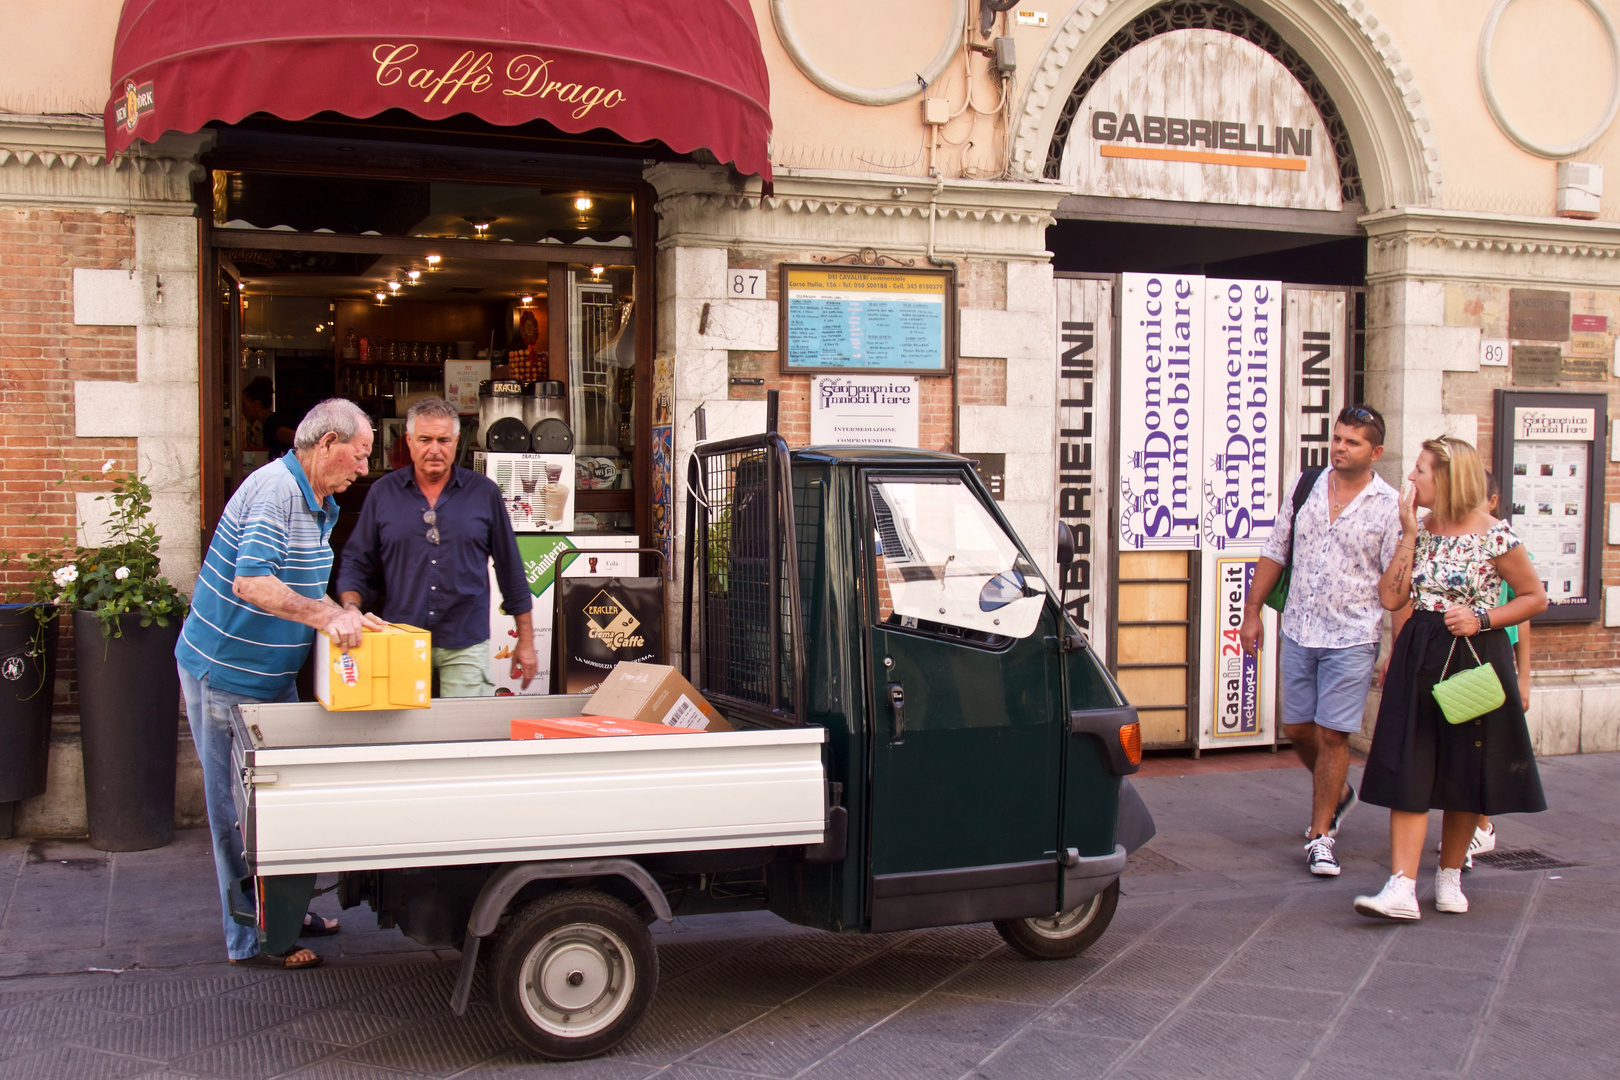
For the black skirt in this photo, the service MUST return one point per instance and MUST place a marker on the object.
(1418, 762)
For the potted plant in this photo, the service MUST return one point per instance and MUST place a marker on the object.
(126, 620)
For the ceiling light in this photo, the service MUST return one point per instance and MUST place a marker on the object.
(413, 273)
(480, 224)
(393, 285)
(583, 203)
(380, 295)
(526, 299)
(596, 271)
(433, 263)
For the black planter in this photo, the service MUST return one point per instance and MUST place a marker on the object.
(129, 719)
(27, 684)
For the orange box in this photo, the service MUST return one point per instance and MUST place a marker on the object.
(584, 727)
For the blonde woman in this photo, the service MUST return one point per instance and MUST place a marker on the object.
(1444, 586)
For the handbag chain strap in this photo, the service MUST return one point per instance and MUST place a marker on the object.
(1452, 651)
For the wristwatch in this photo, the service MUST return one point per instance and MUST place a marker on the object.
(1484, 618)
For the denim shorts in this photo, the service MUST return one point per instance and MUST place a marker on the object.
(1327, 687)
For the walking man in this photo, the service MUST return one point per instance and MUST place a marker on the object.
(426, 535)
(1340, 542)
(260, 597)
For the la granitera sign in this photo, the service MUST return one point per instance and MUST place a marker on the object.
(423, 75)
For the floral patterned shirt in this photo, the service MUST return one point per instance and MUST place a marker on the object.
(1449, 570)
(1333, 590)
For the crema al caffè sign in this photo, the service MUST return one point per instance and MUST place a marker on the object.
(1202, 116)
(430, 75)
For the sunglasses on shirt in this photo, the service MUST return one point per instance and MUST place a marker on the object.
(429, 518)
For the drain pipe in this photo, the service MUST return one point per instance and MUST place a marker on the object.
(950, 264)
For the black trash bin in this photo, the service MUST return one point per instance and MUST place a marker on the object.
(129, 719)
(27, 684)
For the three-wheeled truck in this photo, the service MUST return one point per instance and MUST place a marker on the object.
(922, 739)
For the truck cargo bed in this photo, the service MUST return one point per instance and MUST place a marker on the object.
(319, 791)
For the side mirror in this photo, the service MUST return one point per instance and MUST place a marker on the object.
(1067, 545)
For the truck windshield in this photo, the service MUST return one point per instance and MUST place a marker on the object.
(941, 559)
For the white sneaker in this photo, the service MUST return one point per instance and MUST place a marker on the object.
(1319, 858)
(1448, 894)
(1397, 900)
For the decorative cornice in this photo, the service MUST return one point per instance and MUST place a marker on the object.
(1074, 44)
(830, 210)
(61, 160)
(1471, 246)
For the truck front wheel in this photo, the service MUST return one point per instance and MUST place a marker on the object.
(574, 973)
(1066, 934)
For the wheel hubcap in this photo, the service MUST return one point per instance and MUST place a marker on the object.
(1067, 923)
(577, 980)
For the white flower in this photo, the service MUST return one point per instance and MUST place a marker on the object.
(106, 466)
(65, 575)
(121, 573)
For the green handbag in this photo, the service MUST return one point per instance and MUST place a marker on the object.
(1468, 694)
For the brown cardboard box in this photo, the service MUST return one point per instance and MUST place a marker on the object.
(654, 694)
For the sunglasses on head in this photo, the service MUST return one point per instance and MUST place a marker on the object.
(1357, 414)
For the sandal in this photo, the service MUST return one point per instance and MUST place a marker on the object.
(284, 962)
(318, 925)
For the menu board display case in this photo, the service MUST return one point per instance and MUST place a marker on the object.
(861, 319)
(1549, 460)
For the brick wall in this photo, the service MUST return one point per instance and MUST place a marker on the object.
(42, 353)
(1559, 646)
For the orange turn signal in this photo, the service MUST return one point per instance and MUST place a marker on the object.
(1130, 740)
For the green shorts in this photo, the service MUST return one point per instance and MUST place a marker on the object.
(464, 672)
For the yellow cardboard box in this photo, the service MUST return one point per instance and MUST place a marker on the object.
(390, 669)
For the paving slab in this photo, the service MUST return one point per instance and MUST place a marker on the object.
(1225, 959)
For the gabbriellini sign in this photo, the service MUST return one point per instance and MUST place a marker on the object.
(1202, 116)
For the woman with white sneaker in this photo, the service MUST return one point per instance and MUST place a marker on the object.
(1449, 570)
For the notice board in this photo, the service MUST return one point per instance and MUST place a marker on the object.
(1549, 459)
(868, 320)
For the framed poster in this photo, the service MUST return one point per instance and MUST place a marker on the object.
(1550, 454)
(863, 319)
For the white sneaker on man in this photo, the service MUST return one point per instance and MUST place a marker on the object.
(1397, 900)
(1319, 858)
(1448, 894)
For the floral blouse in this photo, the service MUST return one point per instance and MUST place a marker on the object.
(1449, 570)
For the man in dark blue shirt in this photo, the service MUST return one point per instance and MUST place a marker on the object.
(425, 537)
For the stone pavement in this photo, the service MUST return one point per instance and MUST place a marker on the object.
(1225, 959)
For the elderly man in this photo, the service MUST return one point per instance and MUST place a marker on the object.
(259, 599)
(428, 532)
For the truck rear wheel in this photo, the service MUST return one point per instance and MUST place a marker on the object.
(1066, 934)
(574, 973)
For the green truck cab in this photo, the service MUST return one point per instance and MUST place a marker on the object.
(976, 749)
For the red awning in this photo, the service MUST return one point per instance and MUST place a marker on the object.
(687, 73)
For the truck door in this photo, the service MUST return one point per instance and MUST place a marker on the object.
(965, 694)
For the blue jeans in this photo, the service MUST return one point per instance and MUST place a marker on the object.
(209, 712)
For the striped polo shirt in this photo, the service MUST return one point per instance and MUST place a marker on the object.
(273, 525)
